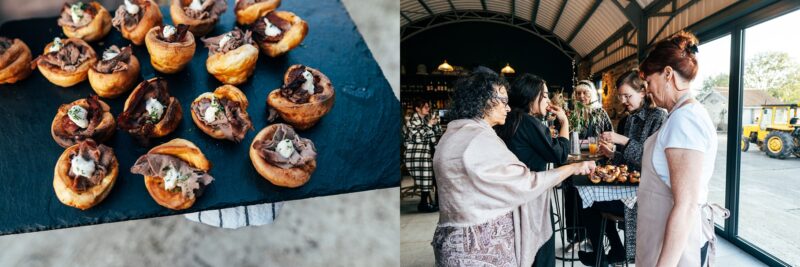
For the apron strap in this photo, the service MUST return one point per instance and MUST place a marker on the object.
(708, 228)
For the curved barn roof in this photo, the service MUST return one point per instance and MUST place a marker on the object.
(601, 32)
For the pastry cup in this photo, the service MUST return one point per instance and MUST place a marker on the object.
(251, 13)
(170, 119)
(65, 78)
(187, 152)
(235, 66)
(111, 85)
(104, 130)
(229, 92)
(15, 63)
(150, 18)
(199, 27)
(292, 177)
(95, 30)
(86, 199)
(291, 38)
(169, 57)
(306, 115)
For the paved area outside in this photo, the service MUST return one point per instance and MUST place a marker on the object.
(768, 205)
(358, 229)
(416, 232)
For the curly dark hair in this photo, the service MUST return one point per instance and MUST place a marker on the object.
(473, 93)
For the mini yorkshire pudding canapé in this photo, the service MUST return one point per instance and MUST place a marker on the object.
(171, 48)
(283, 157)
(15, 60)
(150, 111)
(306, 95)
(248, 11)
(200, 15)
(222, 114)
(278, 32)
(84, 174)
(66, 62)
(87, 21)
(175, 173)
(134, 18)
(88, 118)
(115, 72)
(231, 57)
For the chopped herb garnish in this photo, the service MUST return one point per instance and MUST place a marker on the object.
(152, 117)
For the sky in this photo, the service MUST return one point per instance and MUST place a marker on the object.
(778, 34)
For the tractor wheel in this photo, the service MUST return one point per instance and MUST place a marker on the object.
(779, 144)
(797, 147)
(745, 144)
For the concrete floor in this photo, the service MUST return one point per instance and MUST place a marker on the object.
(359, 229)
(417, 231)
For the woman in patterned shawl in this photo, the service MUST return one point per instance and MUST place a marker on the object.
(491, 209)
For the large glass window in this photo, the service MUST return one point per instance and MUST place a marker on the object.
(711, 87)
(769, 210)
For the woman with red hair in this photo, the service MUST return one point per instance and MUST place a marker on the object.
(675, 224)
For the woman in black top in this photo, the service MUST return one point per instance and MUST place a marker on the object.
(529, 138)
(643, 121)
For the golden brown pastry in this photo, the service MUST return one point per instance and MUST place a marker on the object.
(170, 48)
(175, 173)
(622, 177)
(85, 174)
(597, 176)
(200, 15)
(134, 18)
(66, 62)
(231, 57)
(90, 22)
(278, 32)
(635, 175)
(248, 11)
(115, 72)
(150, 111)
(222, 114)
(88, 118)
(614, 174)
(305, 96)
(283, 157)
(15, 60)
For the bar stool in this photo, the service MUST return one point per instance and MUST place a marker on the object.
(560, 226)
(602, 247)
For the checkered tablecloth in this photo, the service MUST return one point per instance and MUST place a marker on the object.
(590, 194)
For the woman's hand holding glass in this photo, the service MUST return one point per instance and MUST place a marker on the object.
(561, 115)
(607, 149)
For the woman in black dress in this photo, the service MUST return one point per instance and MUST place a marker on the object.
(527, 136)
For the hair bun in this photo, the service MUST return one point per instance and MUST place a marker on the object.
(685, 41)
(692, 48)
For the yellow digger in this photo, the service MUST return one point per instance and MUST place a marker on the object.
(776, 131)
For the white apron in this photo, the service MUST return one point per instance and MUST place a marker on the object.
(655, 203)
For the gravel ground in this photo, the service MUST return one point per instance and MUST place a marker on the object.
(358, 229)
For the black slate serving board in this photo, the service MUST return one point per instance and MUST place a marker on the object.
(357, 141)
